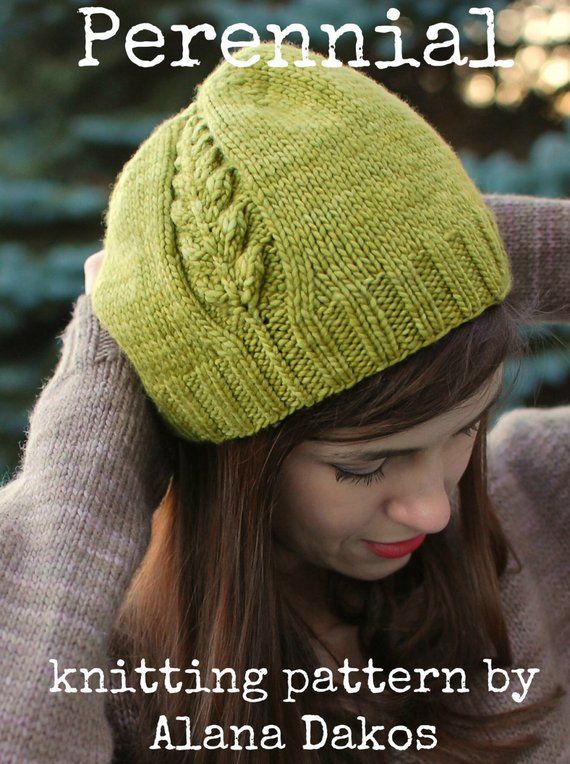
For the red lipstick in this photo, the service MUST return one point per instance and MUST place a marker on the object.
(397, 548)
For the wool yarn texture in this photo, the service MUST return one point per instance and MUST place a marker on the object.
(288, 233)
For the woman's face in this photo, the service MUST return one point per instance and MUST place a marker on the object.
(335, 497)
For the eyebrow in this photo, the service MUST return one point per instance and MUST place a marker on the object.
(369, 456)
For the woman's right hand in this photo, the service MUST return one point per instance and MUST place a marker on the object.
(91, 268)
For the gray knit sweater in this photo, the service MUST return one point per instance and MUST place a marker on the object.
(75, 521)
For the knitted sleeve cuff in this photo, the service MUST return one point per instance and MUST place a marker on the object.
(85, 340)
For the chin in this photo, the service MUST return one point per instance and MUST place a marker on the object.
(380, 568)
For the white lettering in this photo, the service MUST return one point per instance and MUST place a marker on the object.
(226, 44)
(90, 35)
(490, 60)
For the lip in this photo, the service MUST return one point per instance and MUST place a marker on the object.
(397, 548)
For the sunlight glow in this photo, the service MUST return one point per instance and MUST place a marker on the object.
(539, 31)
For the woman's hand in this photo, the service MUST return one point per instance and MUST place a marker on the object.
(91, 268)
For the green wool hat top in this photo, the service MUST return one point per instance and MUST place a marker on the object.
(290, 232)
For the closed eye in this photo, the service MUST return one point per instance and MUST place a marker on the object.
(369, 477)
(354, 477)
(470, 430)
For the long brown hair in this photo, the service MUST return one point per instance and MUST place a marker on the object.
(208, 588)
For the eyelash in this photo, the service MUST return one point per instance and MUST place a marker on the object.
(378, 473)
(469, 431)
(368, 478)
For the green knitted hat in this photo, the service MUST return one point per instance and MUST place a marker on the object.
(287, 234)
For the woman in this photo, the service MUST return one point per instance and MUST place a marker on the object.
(292, 319)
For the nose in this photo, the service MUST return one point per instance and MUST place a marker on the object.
(422, 513)
(421, 503)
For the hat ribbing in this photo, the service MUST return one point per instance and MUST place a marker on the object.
(287, 234)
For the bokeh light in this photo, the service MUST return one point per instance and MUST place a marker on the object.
(479, 90)
(555, 73)
(537, 31)
(562, 104)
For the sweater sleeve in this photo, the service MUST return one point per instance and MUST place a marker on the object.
(74, 524)
(536, 235)
(529, 471)
(529, 480)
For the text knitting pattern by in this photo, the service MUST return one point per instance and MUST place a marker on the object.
(288, 233)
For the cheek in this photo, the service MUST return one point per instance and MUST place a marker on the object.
(312, 501)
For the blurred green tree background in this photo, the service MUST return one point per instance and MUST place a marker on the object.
(68, 130)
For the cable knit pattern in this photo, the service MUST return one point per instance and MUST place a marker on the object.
(220, 239)
(288, 233)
